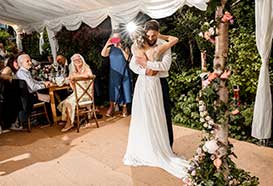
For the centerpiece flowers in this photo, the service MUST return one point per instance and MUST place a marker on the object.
(44, 72)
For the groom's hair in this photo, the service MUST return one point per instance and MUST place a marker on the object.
(151, 25)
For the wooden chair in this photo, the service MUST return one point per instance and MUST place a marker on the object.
(27, 106)
(35, 114)
(87, 105)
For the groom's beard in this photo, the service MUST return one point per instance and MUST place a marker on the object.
(151, 43)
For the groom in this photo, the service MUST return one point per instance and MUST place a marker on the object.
(142, 66)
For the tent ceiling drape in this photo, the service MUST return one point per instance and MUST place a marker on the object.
(36, 15)
(29, 15)
(262, 117)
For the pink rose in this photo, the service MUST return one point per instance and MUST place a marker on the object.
(212, 76)
(226, 74)
(235, 112)
(226, 17)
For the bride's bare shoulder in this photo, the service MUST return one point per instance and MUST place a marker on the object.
(136, 50)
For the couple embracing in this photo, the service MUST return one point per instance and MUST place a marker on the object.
(150, 133)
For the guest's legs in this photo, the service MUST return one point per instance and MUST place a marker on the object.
(110, 109)
(69, 123)
(124, 111)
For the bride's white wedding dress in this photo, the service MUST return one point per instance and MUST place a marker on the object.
(148, 142)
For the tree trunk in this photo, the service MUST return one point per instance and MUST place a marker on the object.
(221, 51)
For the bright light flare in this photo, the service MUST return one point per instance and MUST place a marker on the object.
(131, 27)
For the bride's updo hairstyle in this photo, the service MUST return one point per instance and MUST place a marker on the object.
(139, 37)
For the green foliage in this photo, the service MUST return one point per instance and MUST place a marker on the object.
(4, 36)
(245, 63)
(243, 60)
(46, 46)
(183, 90)
(244, 13)
(185, 24)
(30, 44)
(86, 41)
(240, 124)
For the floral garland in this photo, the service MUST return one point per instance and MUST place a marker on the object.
(207, 166)
(208, 29)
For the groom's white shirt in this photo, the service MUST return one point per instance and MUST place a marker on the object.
(162, 65)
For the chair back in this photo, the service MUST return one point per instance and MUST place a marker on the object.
(84, 95)
(84, 90)
(26, 101)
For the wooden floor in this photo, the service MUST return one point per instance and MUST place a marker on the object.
(94, 157)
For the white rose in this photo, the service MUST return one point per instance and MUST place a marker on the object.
(202, 108)
(202, 114)
(211, 146)
(211, 122)
(205, 125)
(196, 158)
(202, 120)
(205, 148)
(200, 34)
(206, 24)
(208, 118)
(199, 150)
(211, 31)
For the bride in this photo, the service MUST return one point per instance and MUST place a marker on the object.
(148, 142)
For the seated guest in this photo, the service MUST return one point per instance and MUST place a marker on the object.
(78, 69)
(62, 65)
(11, 68)
(33, 85)
(62, 70)
(23, 73)
(11, 97)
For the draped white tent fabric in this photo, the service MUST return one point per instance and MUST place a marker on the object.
(36, 15)
(261, 126)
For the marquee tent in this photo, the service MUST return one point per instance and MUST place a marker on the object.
(29, 15)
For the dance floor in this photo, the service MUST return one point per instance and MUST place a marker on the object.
(94, 157)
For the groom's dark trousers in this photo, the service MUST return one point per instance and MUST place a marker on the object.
(167, 107)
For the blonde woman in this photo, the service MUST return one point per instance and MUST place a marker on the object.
(78, 68)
